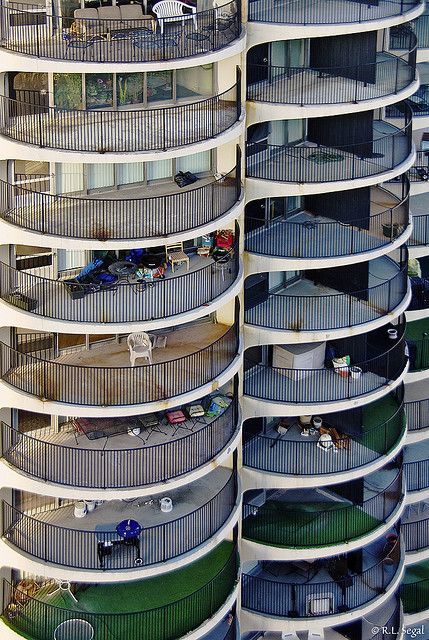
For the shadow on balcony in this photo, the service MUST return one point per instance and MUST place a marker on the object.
(416, 466)
(323, 300)
(359, 437)
(306, 518)
(267, 377)
(308, 234)
(324, 587)
(415, 588)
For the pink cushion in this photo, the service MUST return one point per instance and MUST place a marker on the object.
(175, 417)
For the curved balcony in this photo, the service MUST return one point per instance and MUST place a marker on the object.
(305, 235)
(93, 543)
(310, 85)
(287, 590)
(415, 588)
(138, 301)
(416, 466)
(419, 172)
(415, 528)
(210, 350)
(309, 163)
(63, 459)
(118, 40)
(129, 131)
(136, 214)
(311, 12)
(166, 607)
(311, 386)
(306, 519)
(309, 305)
(382, 427)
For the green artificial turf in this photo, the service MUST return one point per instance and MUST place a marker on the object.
(307, 524)
(415, 331)
(415, 587)
(375, 415)
(167, 615)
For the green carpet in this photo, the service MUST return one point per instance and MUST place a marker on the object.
(415, 588)
(310, 524)
(129, 601)
(375, 415)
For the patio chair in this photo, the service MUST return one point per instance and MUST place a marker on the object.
(140, 346)
(175, 255)
(173, 11)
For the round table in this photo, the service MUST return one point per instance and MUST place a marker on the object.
(74, 629)
(129, 529)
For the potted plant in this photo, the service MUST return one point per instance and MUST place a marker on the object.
(392, 229)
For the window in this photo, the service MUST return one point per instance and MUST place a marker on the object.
(99, 90)
(129, 88)
(68, 90)
(159, 86)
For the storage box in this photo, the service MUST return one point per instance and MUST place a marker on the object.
(299, 357)
(21, 301)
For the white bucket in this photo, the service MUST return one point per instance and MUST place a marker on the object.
(393, 334)
(317, 422)
(166, 504)
(355, 372)
(80, 509)
(90, 505)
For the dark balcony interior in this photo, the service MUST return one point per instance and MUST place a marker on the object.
(93, 542)
(416, 465)
(327, 12)
(118, 452)
(123, 286)
(420, 26)
(323, 299)
(417, 337)
(415, 587)
(419, 101)
(357, 437)
(339, 69)
(304, 518)
(61, 367)
(327, 224)
(311, 373)
(95, 39)
(415, 526)
(342, 147)
(161, 608)
(322, 587)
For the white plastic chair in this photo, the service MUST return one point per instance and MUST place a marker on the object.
(74, 629)
(140, 346)
(173, 11)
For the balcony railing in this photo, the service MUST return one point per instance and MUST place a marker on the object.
(313, 85)
(40, 618)
(118, 468)
(119, 219)
(420, 233)
(417, 413)
(302, 457)
(139, 130)
(419, 103)
(414, 595)
(417, 474)
(297, 312)
(415, 535)
(116, 386)
(314, 238)
(125, 302)
(419, 172)
(278, 524)
(294, 386)
(419, 352)
(98, 40)
(81, 549)
(277, 598)
(317, 163)
(420, 26)
(309, 12)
